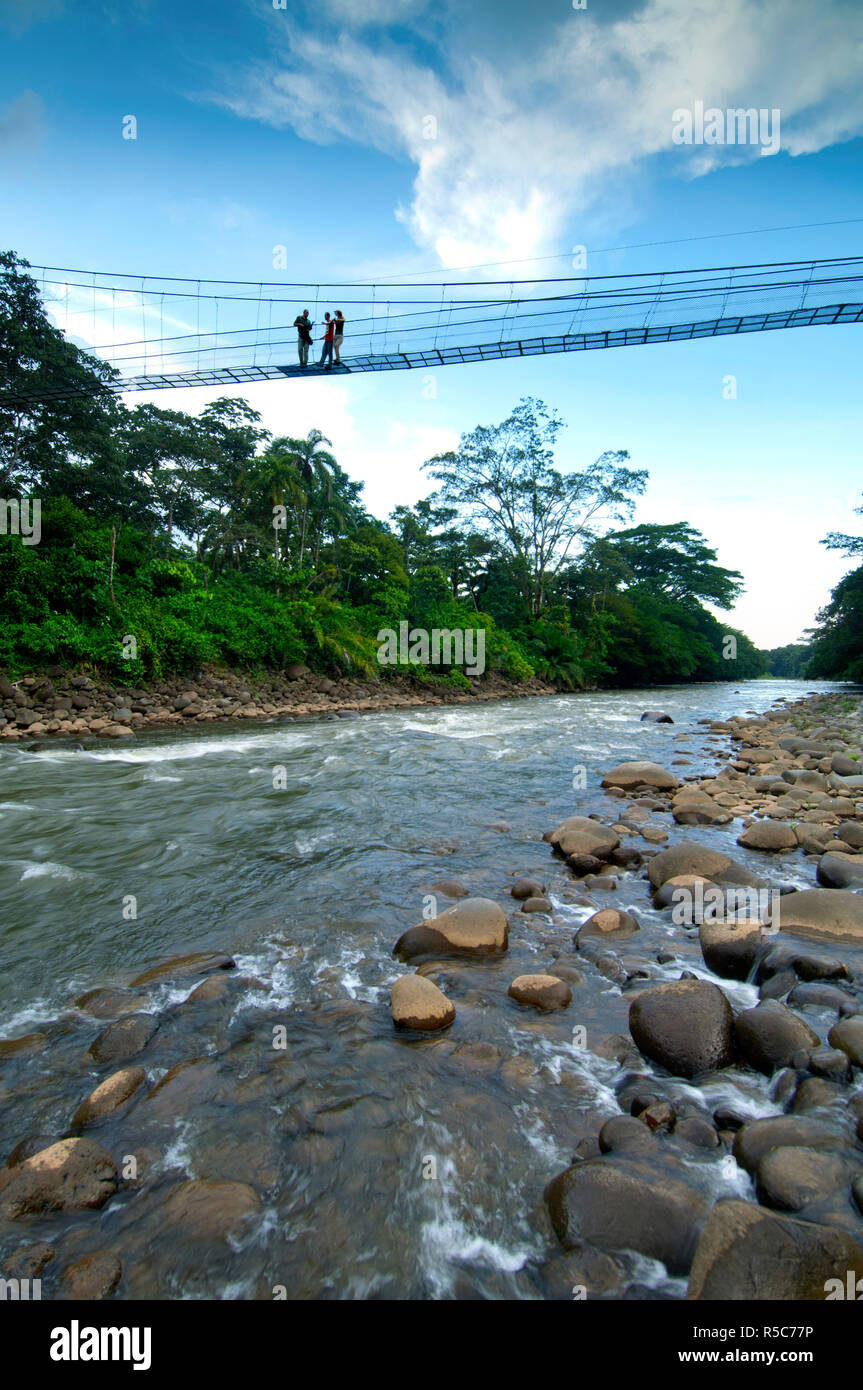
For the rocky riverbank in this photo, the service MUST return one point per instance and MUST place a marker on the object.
(714, 1130)
(59, 703)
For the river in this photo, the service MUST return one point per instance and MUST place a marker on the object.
(303, 850)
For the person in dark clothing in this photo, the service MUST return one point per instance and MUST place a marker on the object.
(339, 336)
(329, 335)
(303, 325)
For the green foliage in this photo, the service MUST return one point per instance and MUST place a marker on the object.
(789, 662)
(837, 648)
(209, 541)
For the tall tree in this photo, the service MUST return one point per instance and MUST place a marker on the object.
(54, 398)
(502, 481)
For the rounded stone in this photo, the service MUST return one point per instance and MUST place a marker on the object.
(108, 1096)
(417, 1004)
(685, 1026)
(544, 992)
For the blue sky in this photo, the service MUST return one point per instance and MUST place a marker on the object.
(259, 126)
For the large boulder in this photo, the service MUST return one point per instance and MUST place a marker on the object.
(179, 967)
(693, 807)
(94, 1276)
(639, 774)
(417, 1004)
(581, 835)
(109, 1096)
(732, 949)
(791, 1178)
(837, 870)
(758, 1137)
(617, 1205)
(822, 914)
(609, 921)
(772, 835)
(472, 927)
(691, 858)
(848, 1036)
(747, 1253)
(124, 1039)
(685, 1026)
(768, 1036)
(545, 992)
(204, 1210)
(71, 1175)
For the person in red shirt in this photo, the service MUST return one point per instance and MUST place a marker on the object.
(340, 335)
(329, 337)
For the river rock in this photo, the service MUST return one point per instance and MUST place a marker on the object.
(851, 831)
(544, 992)
(26, 1148)
(527, 888)
(626, 1134)
(108, 1096)
(28, 1261)
(609, 921)
(601, 1202)
(94, 1276)
(829, 914)
(451, 888)
(772, 835)
(680, 890)
(124, 1039)
(749, 1254)
(769, 1035)
(178, 967)
(840, 871)
(791, 1178)
(637, 774)
(580, 835)
(24, 1046)
(71, 1175)
(845, 766)
(758, 1137)
(688, 859)
(693, 807)
(732, 949)
(537, 905)
(107, 1003)
(829, 1063)
(209, 990)
(416, 1003)
(473, 927)
(203, 1210)
(184, 1086)
(685, 1026)
(848, 1035)
(656, 716)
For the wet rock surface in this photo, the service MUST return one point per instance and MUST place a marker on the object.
(604, 1049)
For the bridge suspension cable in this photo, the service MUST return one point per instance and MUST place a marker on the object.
(167, 331)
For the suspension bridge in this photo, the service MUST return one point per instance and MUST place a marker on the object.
(168, 332)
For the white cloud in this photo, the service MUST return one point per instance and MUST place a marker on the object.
(528, 136)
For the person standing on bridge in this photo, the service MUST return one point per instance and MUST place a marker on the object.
(340, 336)
(329, 336)
(303, 325)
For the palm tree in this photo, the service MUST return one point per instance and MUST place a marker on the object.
(315, 464)
(277, 477)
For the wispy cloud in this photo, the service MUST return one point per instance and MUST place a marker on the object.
(511, 142)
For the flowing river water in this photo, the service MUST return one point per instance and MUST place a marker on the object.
(387, 1166)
